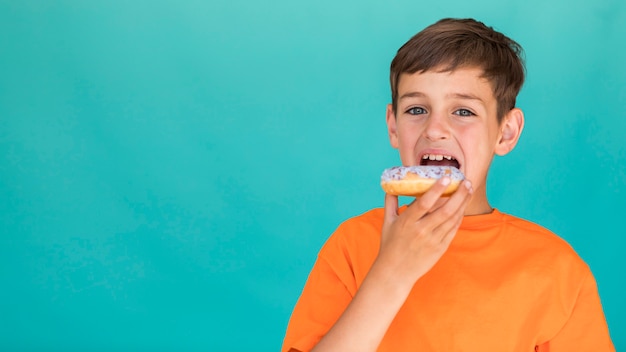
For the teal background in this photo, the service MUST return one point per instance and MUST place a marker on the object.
(169, 169)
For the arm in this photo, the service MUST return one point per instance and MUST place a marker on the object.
(411, 244)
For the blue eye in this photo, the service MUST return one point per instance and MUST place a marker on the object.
(464, 113)
(416, 111)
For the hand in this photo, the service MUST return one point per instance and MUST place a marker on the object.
(412, 242)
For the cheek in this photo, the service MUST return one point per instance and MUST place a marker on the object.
(478, 163)
(478, 155)
(408, 132)
(407, 146)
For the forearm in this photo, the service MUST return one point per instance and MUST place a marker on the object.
(365, 321)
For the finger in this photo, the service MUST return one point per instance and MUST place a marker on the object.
(448, 230)
(444, 218)
(461, 196)
(391, 208)
(443, 200)
(452, 212)
(428, 200)
(439, 203)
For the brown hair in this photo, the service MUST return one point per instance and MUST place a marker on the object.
(456, 43)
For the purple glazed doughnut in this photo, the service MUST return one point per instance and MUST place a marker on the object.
(414, 181)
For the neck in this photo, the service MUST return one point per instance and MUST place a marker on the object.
(478, 204)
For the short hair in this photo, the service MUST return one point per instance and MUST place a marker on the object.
(459, 43)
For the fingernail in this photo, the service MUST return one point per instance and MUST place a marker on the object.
(445, 181)
(468, 185)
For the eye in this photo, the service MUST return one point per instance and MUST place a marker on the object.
(416, 111)
(464, 113)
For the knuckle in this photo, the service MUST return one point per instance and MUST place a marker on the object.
(423, 210)
(447, 212)
(420, 206)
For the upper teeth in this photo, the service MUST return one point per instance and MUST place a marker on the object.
(436, 157)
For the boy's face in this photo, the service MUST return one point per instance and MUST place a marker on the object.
(451, 117)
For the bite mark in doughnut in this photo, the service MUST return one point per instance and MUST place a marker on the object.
(414, 181)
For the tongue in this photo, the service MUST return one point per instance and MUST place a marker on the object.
(444, 162)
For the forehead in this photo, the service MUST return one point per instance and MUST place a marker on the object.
(461, 81)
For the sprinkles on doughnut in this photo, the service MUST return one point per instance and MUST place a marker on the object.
(413, 181)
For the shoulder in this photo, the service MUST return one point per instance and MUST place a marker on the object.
(530, 231)
(537, 241)
(556, 279)
(371, 220)
(356, 237)
(365, 227)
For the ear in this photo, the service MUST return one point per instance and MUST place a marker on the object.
(392, 126)
(510, 131)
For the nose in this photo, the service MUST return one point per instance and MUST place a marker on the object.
(437, 127)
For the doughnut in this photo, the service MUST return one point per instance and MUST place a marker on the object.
(413, 181)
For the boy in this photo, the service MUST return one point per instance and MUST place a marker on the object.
(450, 274)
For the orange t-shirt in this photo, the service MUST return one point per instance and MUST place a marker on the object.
(504, 284)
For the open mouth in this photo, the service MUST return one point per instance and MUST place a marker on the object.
(439, 160)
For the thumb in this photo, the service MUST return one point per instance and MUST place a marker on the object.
(391, 209)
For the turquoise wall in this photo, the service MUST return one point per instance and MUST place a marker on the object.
(169, 169)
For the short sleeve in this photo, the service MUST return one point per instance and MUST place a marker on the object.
(323, 300)
(586, 328)
(342, 264)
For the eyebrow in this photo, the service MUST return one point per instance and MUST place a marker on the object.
(412, 95)
(465, 96)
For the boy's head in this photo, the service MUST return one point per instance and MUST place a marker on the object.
(454, 86)
(450, 44)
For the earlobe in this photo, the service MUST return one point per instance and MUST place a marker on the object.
(510, 131)
(392, 126)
